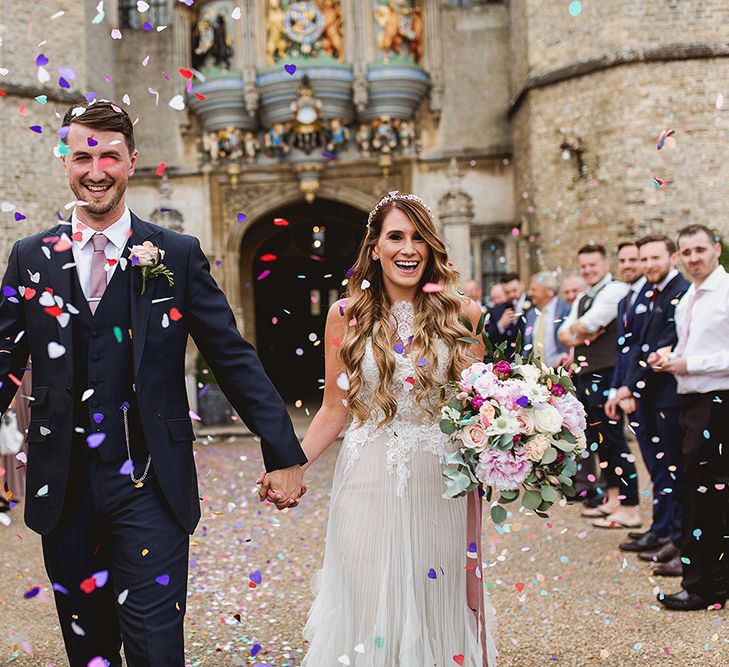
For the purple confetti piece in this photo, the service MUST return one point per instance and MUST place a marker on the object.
(63, 83)
(31, 593)
(472, 548)
(90, 96)
(36, 128)
(98, 661)
(124, 405)
(13, 299)
(98, 417)
(399, 348)
(41, 60)
(242, 217)
(350, 272)
(19, 217)
(264, 274)
(203, 390)
(100, 578)
(522, 401)
(256, 577)
(60, 589)
(328, 155)
(95, 440)
(9, 291)
(127, 467)
(254, 650)
(432, 574)
(91, 141)
(163, 579)
(147, 26)
(218, 262)
(422, 361)
(63, 133)
(290, 69)
(135, 260)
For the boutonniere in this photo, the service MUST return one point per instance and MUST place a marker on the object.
(149, 258)
(527, 305)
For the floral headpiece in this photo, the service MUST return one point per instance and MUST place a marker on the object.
(394, 196)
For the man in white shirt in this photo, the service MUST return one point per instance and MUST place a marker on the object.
(592, 329)
(543, 321)
(700, 363)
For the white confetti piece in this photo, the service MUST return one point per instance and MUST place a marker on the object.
(6, 207)
(344, 660)
(3, 71)
(78, 629)
(34, 277)
(87, 394)
(43, 491)
(63, 319)
(719, 101)
(359, 648)
(343, 382)
(55, 350)
(126, 99)
(365, 284)
(166, 298)
(43, 75)
(116, 34)
(235, 14)
(122, 598)
(177, 103)
(165, 320)
(142, 6)
(44, 430)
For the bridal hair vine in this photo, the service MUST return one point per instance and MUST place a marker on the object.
(394, 196)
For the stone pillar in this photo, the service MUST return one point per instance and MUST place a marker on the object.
(455, 210)
(433, 56)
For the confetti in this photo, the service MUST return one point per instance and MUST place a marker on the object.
(290, 69)
(160, 169)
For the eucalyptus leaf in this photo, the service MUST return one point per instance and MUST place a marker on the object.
(549, 493)
(447, 426)
(531, 500)
(563, 445)
(550, 456)
(498, 514)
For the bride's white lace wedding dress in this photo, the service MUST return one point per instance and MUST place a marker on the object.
(392, 591)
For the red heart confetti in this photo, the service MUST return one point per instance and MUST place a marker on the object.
(23, 110)
(29, 293)
(281, 222)
(175, 314)
(160, 169)
(519, 586)
(77, 236)
(186, 73)
(200, 96)
(268, 257)
(53, 311)
(88, 585)
(459, 658)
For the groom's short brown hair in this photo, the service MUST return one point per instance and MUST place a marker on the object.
(102, 115)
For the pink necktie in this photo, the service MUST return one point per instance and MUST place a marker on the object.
(98, 274)
(684, 333)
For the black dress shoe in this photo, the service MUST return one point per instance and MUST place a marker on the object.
(648, 542)
(673, 568)
(637, 536)
(685, 601)
(662, 555)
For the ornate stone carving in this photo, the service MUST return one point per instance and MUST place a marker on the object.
(455, 206)
(211, 43)
(400, 29)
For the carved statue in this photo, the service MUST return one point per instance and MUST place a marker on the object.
(415, 45)
(363, 137)
(401, 26)
(332, 42)
(251, 146)
(384, 136)
(275, 41)
(275, 140)
(406, 133)
(210, 42)
(211, 146)
(388, 18)
(338, 135)
(222, 50)
(203, 38)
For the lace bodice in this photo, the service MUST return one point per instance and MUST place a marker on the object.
(412, 428)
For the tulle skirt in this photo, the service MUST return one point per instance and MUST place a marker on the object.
(392, 591)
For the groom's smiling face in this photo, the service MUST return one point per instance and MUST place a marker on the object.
(98, 167)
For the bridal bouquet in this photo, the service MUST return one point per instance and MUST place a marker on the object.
(519, 428)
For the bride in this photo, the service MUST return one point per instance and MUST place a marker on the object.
(401, 582)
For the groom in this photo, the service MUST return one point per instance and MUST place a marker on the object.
(111, 481)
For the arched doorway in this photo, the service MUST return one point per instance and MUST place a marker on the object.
(297, 273)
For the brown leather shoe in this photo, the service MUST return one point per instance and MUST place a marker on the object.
(663, 555)
(673, 568)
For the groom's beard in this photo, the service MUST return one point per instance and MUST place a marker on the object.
(98, 208)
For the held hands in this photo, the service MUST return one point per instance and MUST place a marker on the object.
(624, 400)
(662, 363)
(284, 488)
(507, 319)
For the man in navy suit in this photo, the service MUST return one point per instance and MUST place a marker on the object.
(507, 320)
(544, 319)
(111, 480)
(658, 404)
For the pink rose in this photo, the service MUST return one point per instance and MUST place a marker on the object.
(526, 422)
(146, 254)
(502, 369)
(474, 437)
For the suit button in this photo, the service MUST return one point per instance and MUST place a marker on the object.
(69, 389)
(94, 334)
(95, 357)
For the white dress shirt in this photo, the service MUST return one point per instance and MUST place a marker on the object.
(83, 250)
(550, 353)
(707, 355)
(604, 308)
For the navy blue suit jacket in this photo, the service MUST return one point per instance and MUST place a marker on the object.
(659, 331)
(27, 328)
(630, 325)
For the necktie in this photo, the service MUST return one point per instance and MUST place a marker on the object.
(540, 329)
(684, 333)
(654, 297)
(98, 274)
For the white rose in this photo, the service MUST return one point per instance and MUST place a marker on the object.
(531, 373)
(474, 437)
(146, 254)
(536, 446)
(547, 419)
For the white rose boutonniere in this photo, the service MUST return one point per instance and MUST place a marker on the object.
(149, 258)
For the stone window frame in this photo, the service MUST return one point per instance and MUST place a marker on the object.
(131, 19)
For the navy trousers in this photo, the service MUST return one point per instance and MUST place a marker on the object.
(705, 497)
(606, 437)
(659, 436)
(118, 562)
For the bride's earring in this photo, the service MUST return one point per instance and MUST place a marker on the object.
(375, 258)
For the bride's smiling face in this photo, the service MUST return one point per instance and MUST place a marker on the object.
(403, 255)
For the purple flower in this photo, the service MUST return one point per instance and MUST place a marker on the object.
(477, 402)
(558, 390)
(502, 470)
(502, 368)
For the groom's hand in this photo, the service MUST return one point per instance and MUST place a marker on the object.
(283, 487)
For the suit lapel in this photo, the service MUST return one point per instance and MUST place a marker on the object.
(60, 280)
(140, 303)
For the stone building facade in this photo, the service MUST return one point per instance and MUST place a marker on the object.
(530, 131)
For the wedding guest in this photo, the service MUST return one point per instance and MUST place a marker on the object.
(544, 319)
(591, 328)
(497, 296)
(507, 319)
(700, 364)
(655, 405)
(472, 290)
(13, 485)
(573, 284)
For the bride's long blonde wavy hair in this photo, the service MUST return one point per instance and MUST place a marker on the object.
(368, 312)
